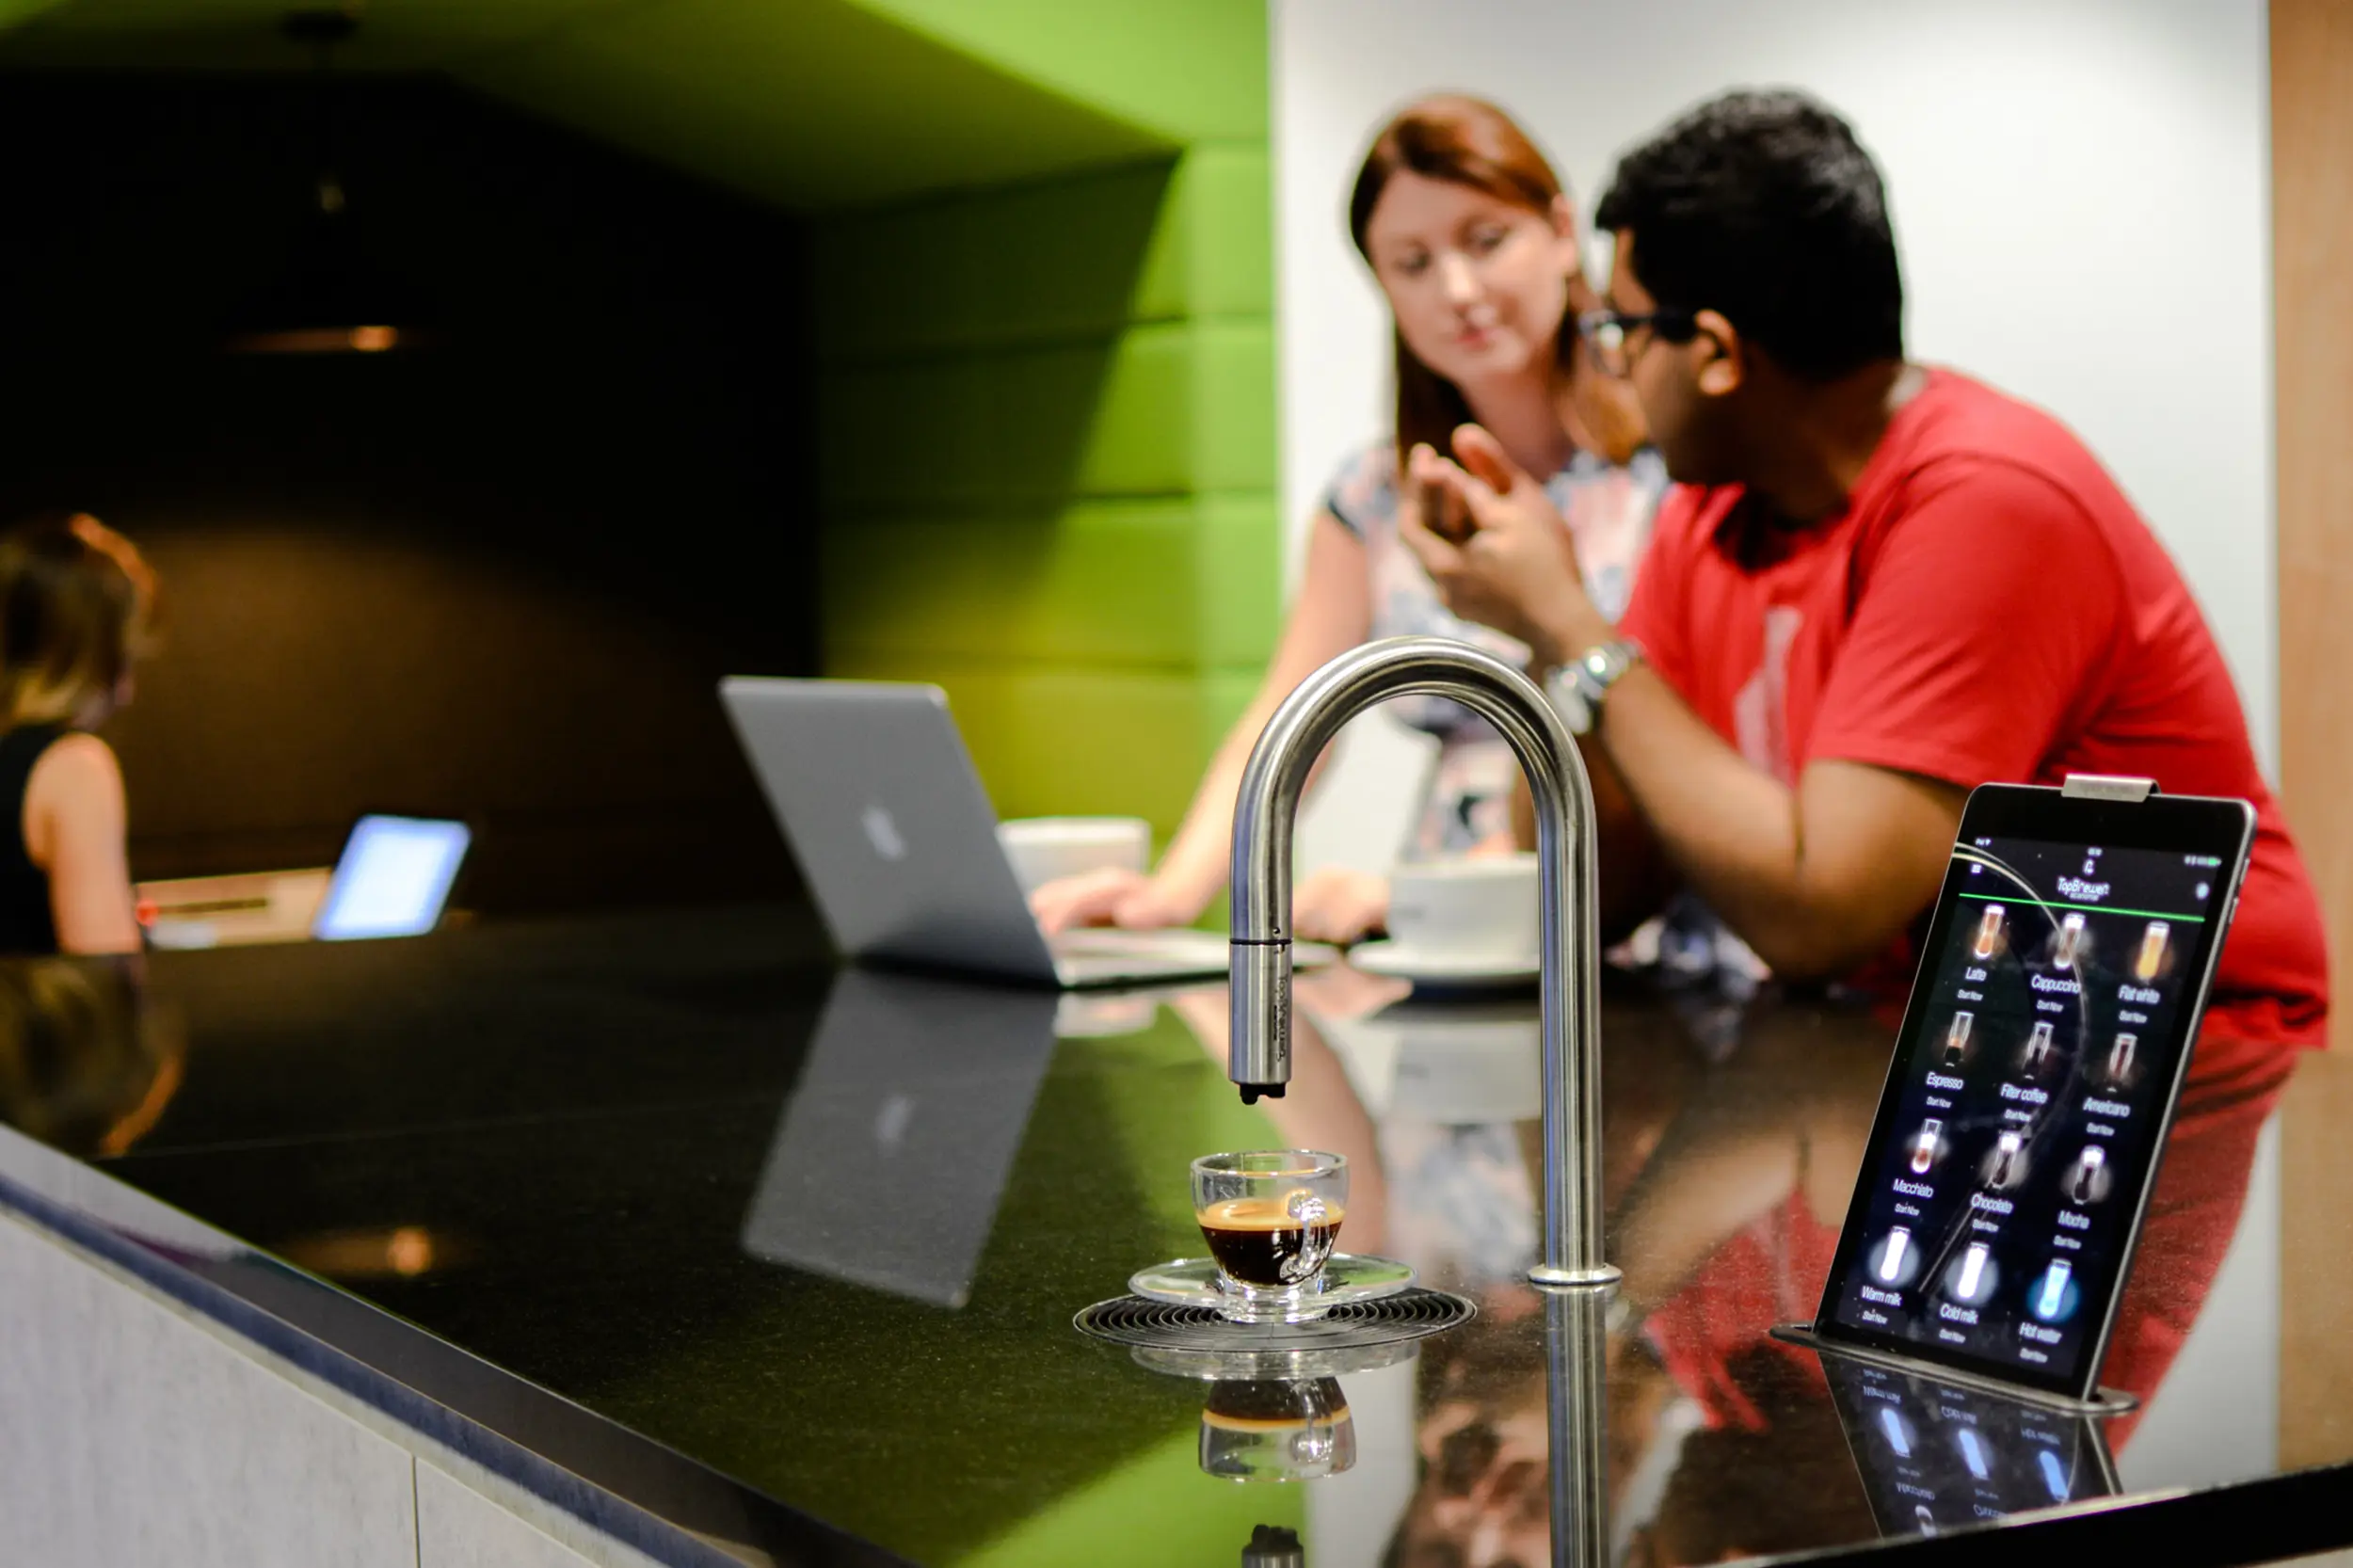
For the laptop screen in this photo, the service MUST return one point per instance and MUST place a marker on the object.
(393, 878)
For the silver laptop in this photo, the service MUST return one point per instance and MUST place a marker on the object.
(879, 801)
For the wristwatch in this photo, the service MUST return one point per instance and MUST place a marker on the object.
(1578, 687)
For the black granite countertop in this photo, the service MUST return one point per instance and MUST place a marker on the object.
(789, 1257)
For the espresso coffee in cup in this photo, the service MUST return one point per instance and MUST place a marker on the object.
(1272, 1243)
(1480, 911)
(1270, 1217)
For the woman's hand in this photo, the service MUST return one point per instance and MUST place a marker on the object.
(1110, 896)
(1516, 570)
(1340, 905)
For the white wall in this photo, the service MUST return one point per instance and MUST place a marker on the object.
(2080, 189)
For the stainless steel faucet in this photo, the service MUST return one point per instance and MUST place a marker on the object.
(1259, 1056)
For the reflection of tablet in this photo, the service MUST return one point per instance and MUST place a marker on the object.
(2078, 936)
(393, 878)
(1936, 1456)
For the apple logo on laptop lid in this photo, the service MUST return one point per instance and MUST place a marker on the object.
(883, 833)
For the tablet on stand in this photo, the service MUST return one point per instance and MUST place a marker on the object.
(2009, 1169)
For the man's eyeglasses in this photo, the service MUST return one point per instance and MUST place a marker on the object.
(1609, 334)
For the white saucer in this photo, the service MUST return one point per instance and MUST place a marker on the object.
(1463, 972)
(1194, 1282)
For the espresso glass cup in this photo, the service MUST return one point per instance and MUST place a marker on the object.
(1270, 1217)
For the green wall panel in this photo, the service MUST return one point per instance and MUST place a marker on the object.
(1109, 582)
(1212, 254)
(1049, 739)
(1236, 585)
(1194, 70)
(1048, 466)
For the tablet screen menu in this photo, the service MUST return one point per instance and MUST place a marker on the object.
(2029, 1098)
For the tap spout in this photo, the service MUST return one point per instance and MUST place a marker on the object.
(1260, 1043)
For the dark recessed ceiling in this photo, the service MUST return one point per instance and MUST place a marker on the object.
(811, 103)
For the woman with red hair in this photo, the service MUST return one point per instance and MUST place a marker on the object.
(1474, 243)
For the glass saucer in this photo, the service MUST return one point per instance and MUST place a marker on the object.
(1194, 1282)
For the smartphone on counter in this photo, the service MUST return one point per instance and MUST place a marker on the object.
(2066, 968)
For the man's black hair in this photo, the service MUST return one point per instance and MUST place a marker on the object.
(1763, 207)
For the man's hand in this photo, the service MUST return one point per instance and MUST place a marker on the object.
(1516, 571)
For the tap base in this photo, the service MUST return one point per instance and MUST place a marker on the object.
(1250, 1092)
(1595, 1278)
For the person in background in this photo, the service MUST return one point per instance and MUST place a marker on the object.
(1474, 242)
(76, 608)
(1879, 585)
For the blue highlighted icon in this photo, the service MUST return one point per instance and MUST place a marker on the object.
(2055, 1295)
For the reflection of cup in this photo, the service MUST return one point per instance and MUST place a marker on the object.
(1270, 1217)
(2121, 1057)
(1277, 1430)
(1460, 1064)
(1957, 1038)
(1989, 932)
(2071, 941)
(1477, 910)
(2152, 957)
(1041, 849)
(1925, 1146)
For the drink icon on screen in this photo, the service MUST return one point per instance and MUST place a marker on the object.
(2055, 1295)
(2120, 1058)
(2151, 958)
(2037, 1058)
(2007, 1165)
(2088, 1179)
(1957, 1038)
(1989, 940)
(1973, 1275)
(1899, 1432)
(1895, 1261)
(2071, 941)
(1926, 1144)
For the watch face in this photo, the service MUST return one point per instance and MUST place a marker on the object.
(1568, 701)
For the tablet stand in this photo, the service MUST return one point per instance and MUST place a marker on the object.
(2104, 1403)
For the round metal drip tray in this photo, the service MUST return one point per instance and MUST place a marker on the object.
(1359, 1325)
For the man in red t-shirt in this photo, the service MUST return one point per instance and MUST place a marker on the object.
(1876, 586)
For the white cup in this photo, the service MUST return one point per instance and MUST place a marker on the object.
(1042, 848)
(1478, 910)
(1461, 1066)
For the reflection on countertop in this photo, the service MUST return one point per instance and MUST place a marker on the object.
(822, 1235)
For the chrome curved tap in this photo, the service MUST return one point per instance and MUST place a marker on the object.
(1259, 1056)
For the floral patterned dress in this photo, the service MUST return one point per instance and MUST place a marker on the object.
(1607, 509)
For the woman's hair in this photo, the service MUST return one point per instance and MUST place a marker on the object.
(1468, 141)
(77, 606)
(87, 1064)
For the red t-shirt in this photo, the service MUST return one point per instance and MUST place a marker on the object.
(1988, 607)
